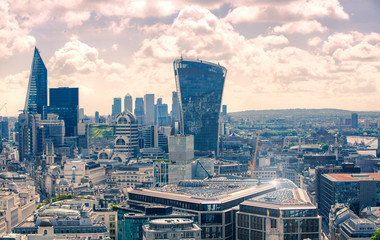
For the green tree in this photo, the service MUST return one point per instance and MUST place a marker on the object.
(376, 235)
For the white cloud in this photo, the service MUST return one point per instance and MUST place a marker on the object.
(314, 41)
(11, 86)
(289, 11)
(13, 38)
(302, 27)
(73, 19)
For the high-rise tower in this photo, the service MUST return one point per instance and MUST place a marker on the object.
(149, 109)
(64, 102)
(139, 110)
(116, 107)
(200, 89)
(36, 96)
(128, 103)
(175, 107)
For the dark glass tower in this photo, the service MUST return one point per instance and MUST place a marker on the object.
(200, 89)
(139, 110)
(36, 96)
(65, 103)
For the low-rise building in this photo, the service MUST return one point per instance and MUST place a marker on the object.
(283, 214)
(174, 229)
(64, 219)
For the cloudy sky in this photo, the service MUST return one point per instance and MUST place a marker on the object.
(279, 53)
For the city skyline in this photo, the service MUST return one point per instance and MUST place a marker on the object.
(323, 52)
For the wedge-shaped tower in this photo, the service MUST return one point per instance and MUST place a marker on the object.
(36, 97)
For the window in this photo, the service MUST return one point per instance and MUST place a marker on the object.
(273, 223)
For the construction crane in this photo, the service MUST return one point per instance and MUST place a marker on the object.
(252, 164)
(2, 106)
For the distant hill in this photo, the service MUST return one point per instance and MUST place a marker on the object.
(303, 113)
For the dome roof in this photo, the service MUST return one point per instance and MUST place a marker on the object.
(45, 223)
(126, 117)
(63, 182)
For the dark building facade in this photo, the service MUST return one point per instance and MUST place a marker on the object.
(64, 102)
(354, 120)
(139, 110)
(356, 190)
(328, 169)
(200, 89)
(36, 96)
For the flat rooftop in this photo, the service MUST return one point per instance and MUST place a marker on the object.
(214, 190)
(351, 177)
(287, 198)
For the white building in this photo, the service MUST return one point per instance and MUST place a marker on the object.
(171, 229)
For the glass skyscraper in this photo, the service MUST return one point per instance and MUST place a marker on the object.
(149, 109)
(64, 102)
(200, 89)
(36, 96)
(139, 110)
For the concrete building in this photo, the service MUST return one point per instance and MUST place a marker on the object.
(126, 135)
(172, 228)
(132, 176)
(181, 148)
(152, 153)
(64, 219)
(28, 132)
(169, 172)
(132, 220)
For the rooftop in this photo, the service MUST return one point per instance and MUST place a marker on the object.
(345, 177)
(283, 199)
(171, 221)
(214, 190)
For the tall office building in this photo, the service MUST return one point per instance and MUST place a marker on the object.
(28, 142)
(64, 102)
(126, 135)
(354, 120)
(139, 110)
(175, 107)
(96, 117)
(4, 128)
(149, 109)
(36, 96)
(200, 89)
(224, 110)
(161, 113)
(358, 191)
(128, 103)
(116, 107)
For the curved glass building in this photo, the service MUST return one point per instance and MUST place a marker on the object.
(200, 89)
(36, 97)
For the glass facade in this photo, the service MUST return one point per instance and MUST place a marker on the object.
(36, 97)
(357, 194)
(139, 110)
(64, 103)
(200, 89)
